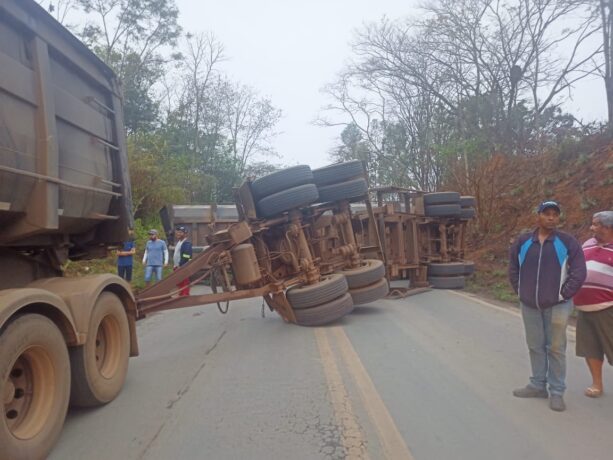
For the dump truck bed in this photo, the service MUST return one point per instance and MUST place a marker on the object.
(63, 162)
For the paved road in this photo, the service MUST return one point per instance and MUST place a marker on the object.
(426, 377)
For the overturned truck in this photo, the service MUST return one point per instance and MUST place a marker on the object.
(293, 244)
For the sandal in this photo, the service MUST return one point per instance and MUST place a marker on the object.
(592, 392)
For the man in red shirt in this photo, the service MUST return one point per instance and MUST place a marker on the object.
(595, 301)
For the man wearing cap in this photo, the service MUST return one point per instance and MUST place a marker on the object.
(546, 269)
(182, 255)
(155, 257)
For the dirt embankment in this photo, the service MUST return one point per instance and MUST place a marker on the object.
(508, 191)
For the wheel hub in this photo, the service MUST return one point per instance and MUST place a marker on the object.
(27, 393)
(100, 347)
(108, 340)
(18, 393)
(9, 392)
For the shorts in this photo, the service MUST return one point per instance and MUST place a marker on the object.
(595, 334)
(150, 269)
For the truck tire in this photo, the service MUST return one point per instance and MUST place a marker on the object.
(35, 383)
(329, 288)
(370, 293)
(371, 271)
(343, 190)
(338, 172)
(446, 269)
(285, 200)
(281, 180)
(447, 282)
(443, 210)
(442, 198)
(326, 313)
(99, 367)
(468, 201)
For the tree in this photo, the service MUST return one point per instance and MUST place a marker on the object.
(131, 37)
(59, 9)
(155, 174)
(250, 121)
(469, 80)
(606, 18)
(219, 125)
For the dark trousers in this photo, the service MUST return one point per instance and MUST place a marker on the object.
(125, 271)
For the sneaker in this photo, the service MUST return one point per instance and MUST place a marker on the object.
(530, 392)
(556, 402)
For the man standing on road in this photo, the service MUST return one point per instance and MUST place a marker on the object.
(546, 270)
(155, 257)
(595, 301)
(124, 257)
(182, 255)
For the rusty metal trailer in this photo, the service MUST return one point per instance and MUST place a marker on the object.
(422, 235)
(293, 245)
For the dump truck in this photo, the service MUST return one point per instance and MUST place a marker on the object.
(64, 195)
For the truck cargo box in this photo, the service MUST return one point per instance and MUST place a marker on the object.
(199, 220)
(63, 162)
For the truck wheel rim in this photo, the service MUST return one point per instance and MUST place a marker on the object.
(28, 395)
(108, 347)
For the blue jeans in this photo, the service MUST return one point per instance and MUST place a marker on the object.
(150, 269)
(546, 338)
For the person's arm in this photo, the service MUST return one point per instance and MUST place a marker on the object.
(132, 251)
(165, 255)
(145, 257)
(577, 271)
(514, 265)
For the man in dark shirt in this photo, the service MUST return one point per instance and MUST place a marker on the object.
(125, 258)
(546, 269)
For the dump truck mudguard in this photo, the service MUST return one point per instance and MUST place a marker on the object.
(80, 295)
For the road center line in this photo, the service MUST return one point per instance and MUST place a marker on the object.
(352, 437)
(392, 442)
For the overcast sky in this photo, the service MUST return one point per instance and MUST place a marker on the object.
(288, 50)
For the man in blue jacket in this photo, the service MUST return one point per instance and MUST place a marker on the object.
(546, 269)
(182, 255)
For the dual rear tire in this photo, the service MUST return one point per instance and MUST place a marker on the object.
(100, 366)
(322, 302)
(284, 190)
(340, 181)
(450, 275)
(367, 282)
(40, 376)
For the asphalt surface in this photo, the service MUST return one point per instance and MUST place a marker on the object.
(425, 377)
